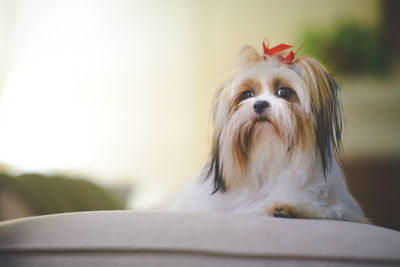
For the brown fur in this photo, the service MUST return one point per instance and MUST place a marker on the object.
(326, 107)
(241, 148)
(282, 210)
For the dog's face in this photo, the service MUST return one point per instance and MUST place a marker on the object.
(270, 115)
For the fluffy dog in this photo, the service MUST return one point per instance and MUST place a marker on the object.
(277, 134)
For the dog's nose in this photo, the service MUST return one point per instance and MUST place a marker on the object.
(260, 105)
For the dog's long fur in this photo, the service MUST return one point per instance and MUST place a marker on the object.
(281, 161)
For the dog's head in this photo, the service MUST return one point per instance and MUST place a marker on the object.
(270, 114)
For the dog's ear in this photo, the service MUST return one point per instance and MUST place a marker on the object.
(214, 168)
(326, 108)
(247, 54)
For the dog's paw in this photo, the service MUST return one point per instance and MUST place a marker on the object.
(281, 210)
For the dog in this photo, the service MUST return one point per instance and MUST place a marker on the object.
(277, 136)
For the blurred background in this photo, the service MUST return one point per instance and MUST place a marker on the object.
(106, 104)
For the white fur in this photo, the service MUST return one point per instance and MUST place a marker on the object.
(330, 199)
(272, 176)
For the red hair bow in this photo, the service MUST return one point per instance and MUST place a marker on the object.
(279, 48)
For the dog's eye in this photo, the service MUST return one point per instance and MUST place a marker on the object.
(284, 92)
(247, 94)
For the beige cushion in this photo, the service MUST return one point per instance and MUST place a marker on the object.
(128, 238)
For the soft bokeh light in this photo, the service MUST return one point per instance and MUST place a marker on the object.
(42, 127)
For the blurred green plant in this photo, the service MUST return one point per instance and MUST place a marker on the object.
(56, 194)
(348, 48)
